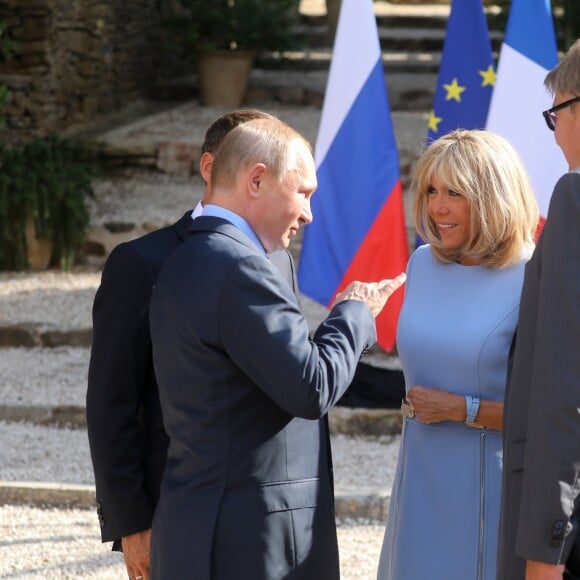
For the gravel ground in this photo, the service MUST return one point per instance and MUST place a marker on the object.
(188, 122)
(33, 453)
(150, 200)
(47, 544)
(59, 543)
(51, 298)
(43, 376)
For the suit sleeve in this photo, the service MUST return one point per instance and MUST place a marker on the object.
(551, 485)
(119, 366)
(266, 335)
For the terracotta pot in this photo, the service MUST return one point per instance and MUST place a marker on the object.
(223, 76)
(39, 251)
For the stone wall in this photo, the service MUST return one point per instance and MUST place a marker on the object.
(74, 60)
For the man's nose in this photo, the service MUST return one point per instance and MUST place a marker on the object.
(306, 215)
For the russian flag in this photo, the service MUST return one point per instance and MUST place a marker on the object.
(358, 232)
(528, 53)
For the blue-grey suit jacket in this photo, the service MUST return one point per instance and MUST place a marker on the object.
(246, 491)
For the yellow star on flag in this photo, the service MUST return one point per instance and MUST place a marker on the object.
(454, 91)
(488, 76)
(434, 122)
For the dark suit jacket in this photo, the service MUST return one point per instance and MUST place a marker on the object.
(127, 438)
(541, 485)
(246, 491)
(126, 435)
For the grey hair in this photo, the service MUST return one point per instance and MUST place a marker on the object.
(565, 76)
(267, 140)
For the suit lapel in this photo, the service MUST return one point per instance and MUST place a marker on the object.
(224, 227)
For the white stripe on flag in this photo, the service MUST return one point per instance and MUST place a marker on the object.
(518, 99)
(356, 43)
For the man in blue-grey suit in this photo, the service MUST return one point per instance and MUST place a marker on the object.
(246, 491)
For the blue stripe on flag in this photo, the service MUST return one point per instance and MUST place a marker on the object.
(354, 181)
(530, 20)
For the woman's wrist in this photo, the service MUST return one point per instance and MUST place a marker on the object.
(472, 407)
(459, 411)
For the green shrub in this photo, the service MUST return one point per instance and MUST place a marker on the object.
(48, 179)
(260, 25)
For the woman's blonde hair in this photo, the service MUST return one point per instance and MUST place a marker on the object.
(487, 171)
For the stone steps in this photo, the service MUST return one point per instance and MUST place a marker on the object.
(419, 14)
(49, 466)
(46, 386)
(150, 168)
(42, 392)
(410, 34)
(170, 140)
(408, 91)
(411, 38)
(45, 336)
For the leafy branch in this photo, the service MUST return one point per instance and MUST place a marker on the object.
(47, 180)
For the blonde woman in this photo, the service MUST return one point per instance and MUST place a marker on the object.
(476, 209)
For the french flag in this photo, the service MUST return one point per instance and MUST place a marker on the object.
(358, 232)
(528, 53)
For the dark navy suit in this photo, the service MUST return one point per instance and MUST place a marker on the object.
(127, 438)
(247, 487)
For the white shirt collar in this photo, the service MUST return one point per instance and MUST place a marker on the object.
(197, 210)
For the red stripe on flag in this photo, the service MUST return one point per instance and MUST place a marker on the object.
(383, 254)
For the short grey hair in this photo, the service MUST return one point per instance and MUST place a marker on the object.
(267, 140)
(565, 76)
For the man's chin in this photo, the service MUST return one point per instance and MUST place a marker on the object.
(277, 247)
(283, 243)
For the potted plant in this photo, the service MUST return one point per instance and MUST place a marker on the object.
(226, 35)
(44, 185)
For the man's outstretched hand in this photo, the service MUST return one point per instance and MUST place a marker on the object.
(375, 294)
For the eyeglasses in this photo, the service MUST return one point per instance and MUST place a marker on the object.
(550, 115)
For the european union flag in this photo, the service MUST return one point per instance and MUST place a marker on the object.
(466, 74)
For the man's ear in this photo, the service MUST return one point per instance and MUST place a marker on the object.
(205, 164)
(256, 175)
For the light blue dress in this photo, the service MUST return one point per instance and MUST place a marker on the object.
(455, 331)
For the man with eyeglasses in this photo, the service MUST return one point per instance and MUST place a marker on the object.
(539, 537)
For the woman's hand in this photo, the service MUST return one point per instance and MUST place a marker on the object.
(435, 405)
